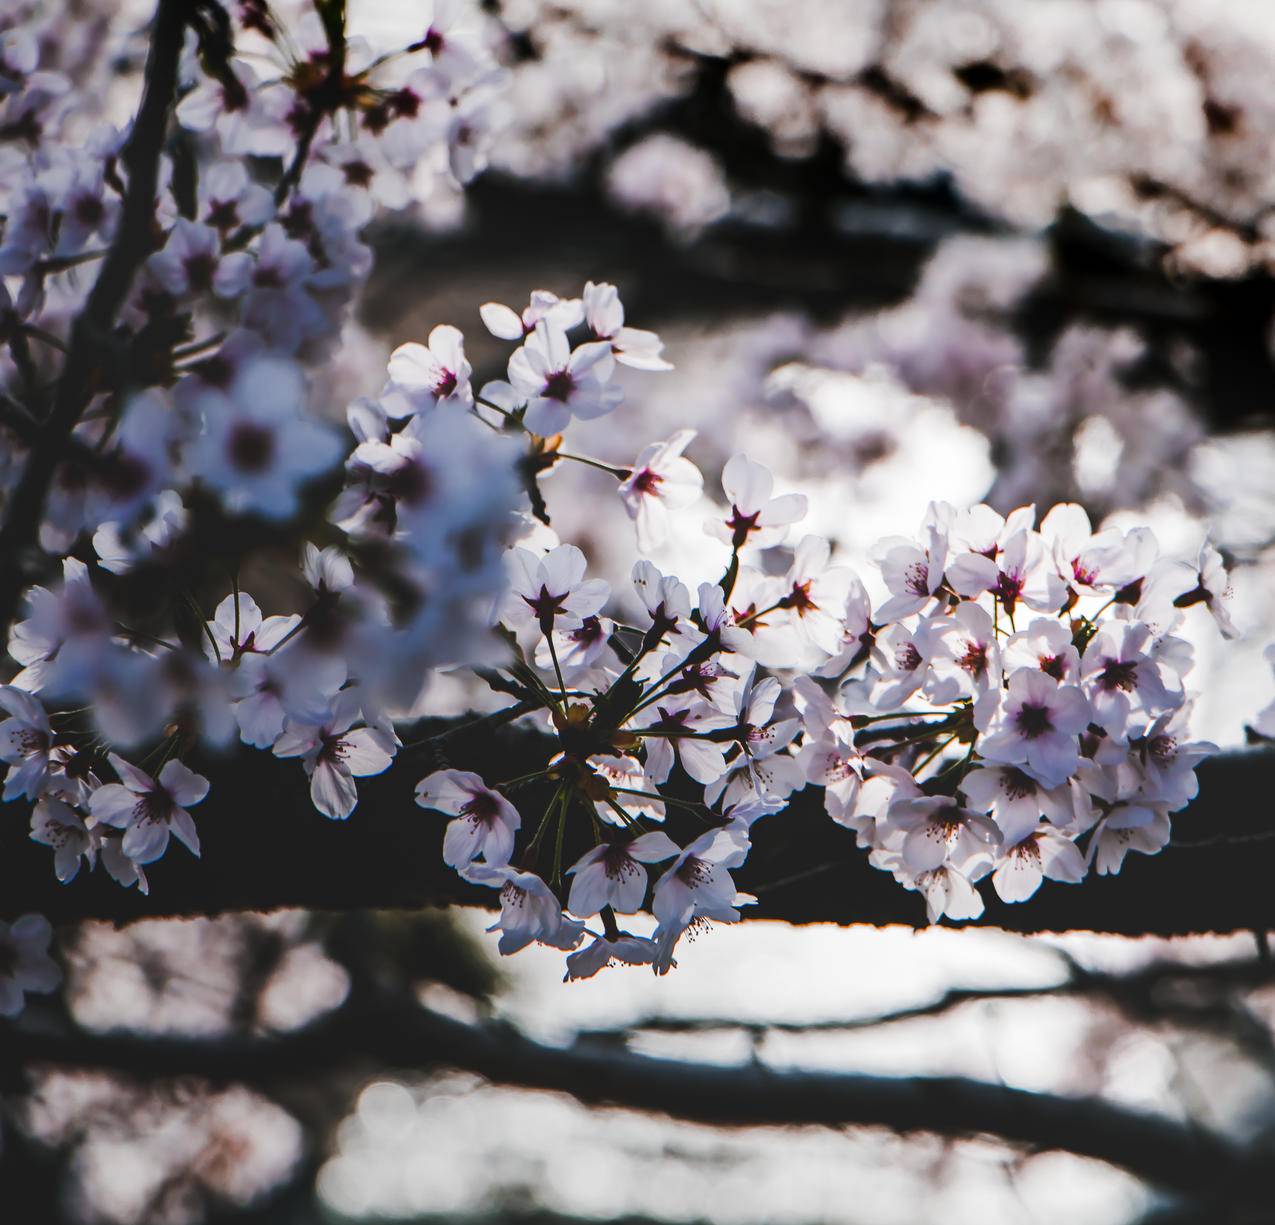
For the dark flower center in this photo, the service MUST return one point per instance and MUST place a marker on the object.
(559, 385)
(251, 447)
(741, 525)
(1033, 720)
(1118, 674)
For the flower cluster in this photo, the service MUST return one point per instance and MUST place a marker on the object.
(1011, 703)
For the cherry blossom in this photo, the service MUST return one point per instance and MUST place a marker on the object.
(603, 951)
(1043, 854)
(529, 909)
(149, 809)
(1034, 725)
(698, 885)
(57, 825)
(437, 373)
(335, 753)
(612, 873)
(550, 593)
(756, 518)
(558, 383)
(257, 447)
(1007, 704)
(604, 314)
(485, 824)
(661, 482)
(26, 741)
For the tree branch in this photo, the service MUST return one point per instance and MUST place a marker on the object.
(393, 1033)
(91, 333)
(265, 847)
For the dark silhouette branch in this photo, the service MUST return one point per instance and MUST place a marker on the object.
(265, 847)
(90, 340)
(393, 1033)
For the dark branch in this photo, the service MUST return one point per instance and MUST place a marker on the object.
(90, 339)
(395, 1034)
(265, 847)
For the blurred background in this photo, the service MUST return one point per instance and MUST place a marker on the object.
(946, 249)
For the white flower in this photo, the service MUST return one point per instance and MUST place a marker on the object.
(328, 571)
(661, 480)
(149, 809)
(947, 891)
(1022, 572)
(1034, 725)
(119, 550)
(25, 742)
(270, 690)
(698, 884)
(506, 324)
(550, 593)
(1168, 757)
(587, 646)
(1088, 562)
(964, 658)
(333, 755)
(190, 263)
(912, 574)
(901, 656)
(673, 726)
(1129, 827)
(937, 828)
(258, 446)
(604, 313)
(238, 628)
(229, 199)
(626, 774)
(755, 517)
(603, 952)
(558, 384)
(761, 768)
(1046, 645)
(485, 822)
(452, 37)
(1016, 800)
(816, 593)
(56, 824)
(1042, 854)
(1120, 676)
(61, 641)
(868, 815)
(1212, 589)
(529, 911)
(855, 631)
(435, 374)
(25, 964)
(665, 600)
(612, 874)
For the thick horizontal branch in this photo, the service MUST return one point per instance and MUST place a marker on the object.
(265, 847)
(395, 1034)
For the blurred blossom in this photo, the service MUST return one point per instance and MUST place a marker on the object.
(681, 185)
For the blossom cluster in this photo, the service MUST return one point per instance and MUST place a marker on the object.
(1014, 707)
